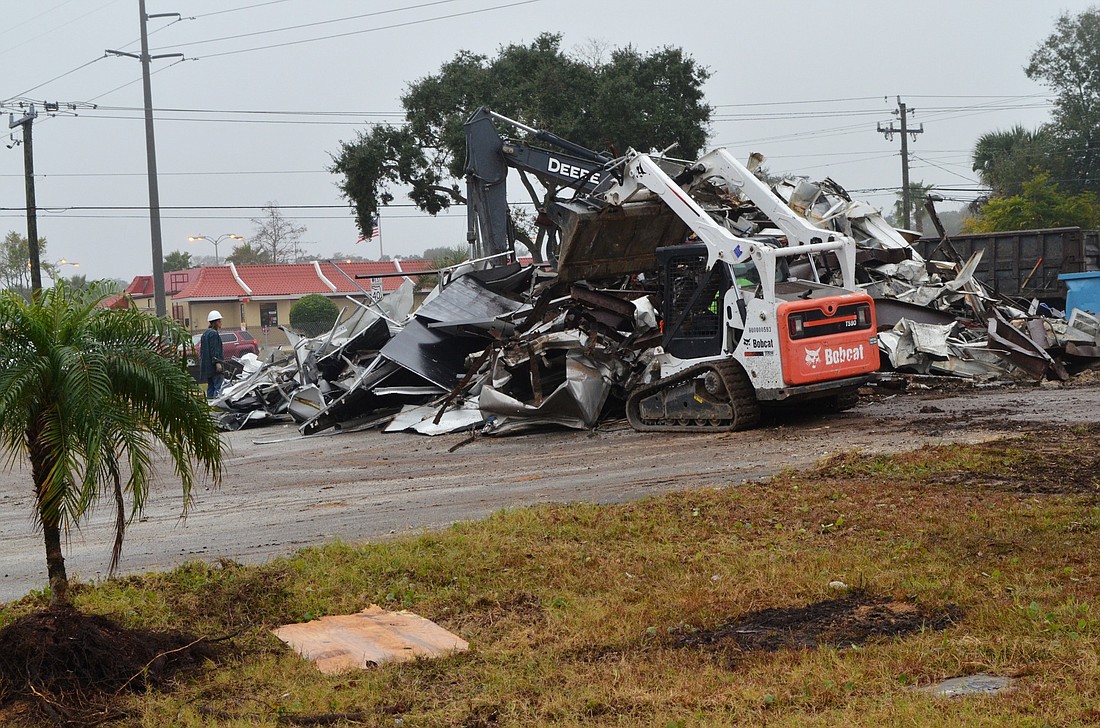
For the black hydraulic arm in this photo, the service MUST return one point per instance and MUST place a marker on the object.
(488, 157)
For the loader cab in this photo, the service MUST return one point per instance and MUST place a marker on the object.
(692, 299)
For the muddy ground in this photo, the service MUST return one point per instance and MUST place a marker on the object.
(283, 492)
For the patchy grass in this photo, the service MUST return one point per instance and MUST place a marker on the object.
(959, 560)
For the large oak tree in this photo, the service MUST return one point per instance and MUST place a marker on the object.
(630, 99)
(1068, 61)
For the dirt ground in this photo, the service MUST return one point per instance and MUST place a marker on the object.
(283, 492)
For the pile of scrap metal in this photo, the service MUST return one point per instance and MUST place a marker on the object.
(496, 349)
(504, 348)
(935, 316)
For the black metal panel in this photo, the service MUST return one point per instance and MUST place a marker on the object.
(465, 300)
(888, 311)
(435, 356)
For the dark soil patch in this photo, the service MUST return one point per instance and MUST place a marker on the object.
(841, 622)
(1060, 462)
(1037, 459)
(66, 666)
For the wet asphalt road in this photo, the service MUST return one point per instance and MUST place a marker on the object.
(283, 492)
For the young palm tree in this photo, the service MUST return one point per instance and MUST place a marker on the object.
(86, 395)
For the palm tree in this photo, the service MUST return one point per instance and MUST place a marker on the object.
(1005, 159)
(918, 191)
(86, 394)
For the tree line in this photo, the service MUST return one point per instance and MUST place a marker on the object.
(1049, 176)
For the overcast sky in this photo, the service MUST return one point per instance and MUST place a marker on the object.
(270, 89)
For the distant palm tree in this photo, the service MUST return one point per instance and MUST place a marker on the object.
(86, 394)
(918, 191)
(1005, 159)
(77, 282)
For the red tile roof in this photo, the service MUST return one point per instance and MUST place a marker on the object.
(294, 279)
(118, 300)
(213, 282)
(174, 281)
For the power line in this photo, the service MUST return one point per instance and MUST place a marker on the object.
(302, 122)
(136, 80)
(256, 111)
(883, 97)
(834, 114)
(235, 10)
(94, 60)
(371, 30)
(975, 96)
(35, 17)
(7, 213)
(10, 48)
(55, 78)
(850, 161)
(177, 174)
(792, 103)
(66, 208)
(309, 25)
(968, 179)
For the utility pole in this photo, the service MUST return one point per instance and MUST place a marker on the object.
(905, 132)
(27, 122)
(151, 155)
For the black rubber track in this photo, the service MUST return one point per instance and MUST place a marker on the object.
(742, 398)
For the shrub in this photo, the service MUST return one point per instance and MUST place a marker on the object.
(313, 315)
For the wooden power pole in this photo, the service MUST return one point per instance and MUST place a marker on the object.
(905, 133)
(27, 122)
(151, 156)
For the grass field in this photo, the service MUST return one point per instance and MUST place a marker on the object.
(711, 607)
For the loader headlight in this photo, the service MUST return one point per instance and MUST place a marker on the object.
(796, 325)
(863, 316)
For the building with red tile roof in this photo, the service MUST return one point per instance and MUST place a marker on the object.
(260, 296)
(140, 290)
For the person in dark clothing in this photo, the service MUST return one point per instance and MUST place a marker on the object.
(211, 363)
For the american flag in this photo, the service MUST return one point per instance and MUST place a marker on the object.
(374, 233)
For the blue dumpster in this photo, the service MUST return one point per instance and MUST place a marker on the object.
(1084, 291)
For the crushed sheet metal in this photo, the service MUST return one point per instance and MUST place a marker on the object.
(239, 420)
(421, 418)
(306, 403)
(576, 402)
(365, 395)
(915, 345)
(374, 636)
(1021, 351)
(397, 305)
(971, 362)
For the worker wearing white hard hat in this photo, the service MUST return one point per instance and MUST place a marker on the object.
(210, 356)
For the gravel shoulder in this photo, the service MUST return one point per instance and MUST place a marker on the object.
(283, 492)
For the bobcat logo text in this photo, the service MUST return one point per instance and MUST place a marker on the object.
(834, 356)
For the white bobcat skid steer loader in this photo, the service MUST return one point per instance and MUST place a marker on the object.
(738, 333)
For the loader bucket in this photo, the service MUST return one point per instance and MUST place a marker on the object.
(615, 240)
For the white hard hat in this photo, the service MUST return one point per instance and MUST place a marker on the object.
(214, 316)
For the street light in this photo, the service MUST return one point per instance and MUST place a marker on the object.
(215, 241)
(54, 269)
